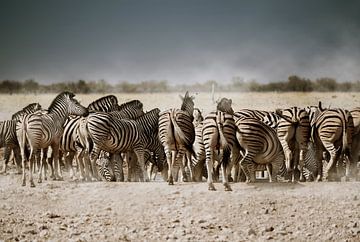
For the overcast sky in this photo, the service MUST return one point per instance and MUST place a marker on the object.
(181, 41)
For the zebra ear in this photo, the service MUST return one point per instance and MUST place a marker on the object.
(278, 111)
(71, 95)
(320, 106)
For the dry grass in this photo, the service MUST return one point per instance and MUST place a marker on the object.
(263, 101)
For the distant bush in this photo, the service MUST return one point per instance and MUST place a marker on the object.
(293, 84)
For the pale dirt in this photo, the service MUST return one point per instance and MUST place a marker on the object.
(155, 211)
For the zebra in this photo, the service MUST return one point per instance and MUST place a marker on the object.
(218, 133)
(331, 131)
(104, 104)
(355, 148)
(31, 108)
(294, 134)
(71, 143)
(114, 135)
(176, 133)
(8, 135)
(269, 118)
(43, 130)
(259, 145)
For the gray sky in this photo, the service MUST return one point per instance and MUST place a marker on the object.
(181, 41)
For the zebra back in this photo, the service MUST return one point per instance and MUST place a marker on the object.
(269, 118)
(222, 125)
(129, 110)
(33, 107)
(8, 133)
(104, 104)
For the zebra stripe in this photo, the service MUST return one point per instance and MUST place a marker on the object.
(43, 130)
(31, 108)
(114, 135)
(294, 134)
(176, 133)
(104, 104)
(8, 136)
(355, 147)
(218, 133)
(260, 146)
(269, 118)
(332, 131)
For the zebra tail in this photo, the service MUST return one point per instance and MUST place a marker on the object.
(345, 144)
(179, 134)
(84, 136)
(219, 122)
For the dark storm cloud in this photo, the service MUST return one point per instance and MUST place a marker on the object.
(180, 41)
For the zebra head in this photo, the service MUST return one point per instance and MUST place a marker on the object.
(224, 105)
(66, 103)
(187, 103)
(197, 116)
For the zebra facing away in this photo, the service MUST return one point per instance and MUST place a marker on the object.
(259, 145)
(176, 133)
(41, 130)
(331, 131)
(8, 135)
(294, 134)
(218, 133)
(107, 133)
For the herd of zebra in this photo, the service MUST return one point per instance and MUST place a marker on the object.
(312, 143)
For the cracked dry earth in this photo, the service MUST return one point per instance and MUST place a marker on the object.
(155, 211)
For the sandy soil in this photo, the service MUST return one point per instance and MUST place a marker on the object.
(155, 211)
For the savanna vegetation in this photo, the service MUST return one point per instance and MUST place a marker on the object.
(292, 84)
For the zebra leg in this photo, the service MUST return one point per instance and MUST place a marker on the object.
(93, 157)
(169, 158)
(42, 154)
(84, 168)
(270, 174)
(224, 164)
(7, 153)
(140, 158)
(301, 163)
(17, 156)
(319, 160)
(210, 156)
(31, 166)
(69, 163)
(181, 158)
(58, 173)
(249, 168)
(329, 173)
(117, 162)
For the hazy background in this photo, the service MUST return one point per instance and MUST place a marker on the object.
(179, 41)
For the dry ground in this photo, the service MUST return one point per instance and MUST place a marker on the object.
(65, 210)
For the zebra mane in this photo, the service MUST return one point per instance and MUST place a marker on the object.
(132, 103)
(188, 103)
(32, 107)
(102, 99)
(58, 98)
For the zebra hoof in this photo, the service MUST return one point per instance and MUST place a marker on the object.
(227, 187)
(32, 184)
(211, 187)
(23, 183)
(171, 183)
(60, 178)
(39, 181)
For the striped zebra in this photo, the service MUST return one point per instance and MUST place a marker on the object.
(40, 131)
(331, 131)
(294, 134)
(31, 108)
(355, 148)
(8, 135)
(176, 132)
(269, 118)
(104, 104)
(259, 145)
(218, 134)
(115, 136)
